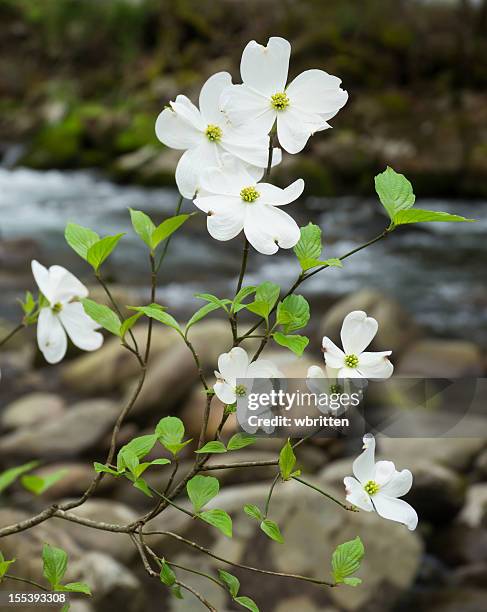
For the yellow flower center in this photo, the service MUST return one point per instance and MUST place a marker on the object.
(351, 361)
(249, 194)
(371, 487)
(57, 307)
(336, 388)
(240, 390)
(213, 133)
(279, 101)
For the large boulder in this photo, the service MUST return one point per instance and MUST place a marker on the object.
(396, 327)
(77, 430)
(32, 409)
(434, 358)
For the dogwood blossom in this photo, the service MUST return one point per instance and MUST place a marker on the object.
(377, 486)
(205, 134)
(358, 331)
(63, 316)
(236, 365)
(235, 201)
(301, 109)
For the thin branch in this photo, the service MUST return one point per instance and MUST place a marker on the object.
(12, 333)
(204, 601)
(271, 490)
(242, 464)
(26, 580)
(334, 499)
(168, 241)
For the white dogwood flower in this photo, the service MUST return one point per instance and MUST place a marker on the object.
(236, 365)
(63, 314)
(377, 486)
(206, 133)
(234, 201)
(358, 331)
(301, 109)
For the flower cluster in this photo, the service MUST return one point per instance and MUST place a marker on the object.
(228, 142)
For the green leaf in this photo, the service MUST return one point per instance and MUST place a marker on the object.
(352, 581)
(395, 191)
(309, 246)
(295, 343)
(167, 576)
(4, 565)
(65, 608)
(240, 297)
(166, 228)
(261, 309)
(253, 511)
(157, 312)
(219, 519)
(176, 592)
(39, 484)
(129, 323)
(10, 476)
(143, 226)
(28, 304)
(346, 559)
(134, 450)
(80, 239)
(248, 603)
(103, 315)
(287, 461)
(200, 314)
(272, 530)
(266, 296)
(417, 215)
(334, 262)
(293, 313)
(201, 489)
(240, 440)
(100, 467)
(231, 582)
(77, 587)
(55, 564)
(141, 485)
(98, 252)
(170, 431)
(212, 447)
(208, 297)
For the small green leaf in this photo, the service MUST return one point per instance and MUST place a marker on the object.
(261, 309)
(134, 450)
(212, 447)
(80, 239)
(293, 313)
(201, 489)
(293, 342)
(100, 467)
(231, 582)
(166, 228)
(248, 603)
(417, 215)
(309, 246)
(129, 323)
(39, 484)
(170, 432)
(176, 592)
(4, 565)
(253, 511)
(213, 299)
(141, 485)
(334, 262)
(143, 226)
(76, 587)
(240, 440)
(200, 314)
(352, 581)
(98, 252)
(240, 297)
(10, 476)
(395, 191)
(346, 559)
(266, 296)
(219, 519)
(167, 576)
(157, 312)
(287, 461)
(272, 530)
(103, 315)
(55, 562)
(28, 304)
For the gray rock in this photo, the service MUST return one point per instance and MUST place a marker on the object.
(32, 409)
(474, 513)
(459, 544)
(78, 429)
(446, 599)
(396, 327)
(432, 358)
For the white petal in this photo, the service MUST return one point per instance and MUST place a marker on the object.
(347, 373)
(251, 149)
(210, 97)
(334, 357)
(268, 228)
(234, 364)
(400, 483)
(317, 381)
(395, 510)
(262, 368)
(175, 132)
(265, 68)
(384, 471)
(228, 178)
(270, 194)
(226, 215)
(64, 286)
(315, 372)
(244, 106)
(225, 392)
(80, 327)
(356, 495)
(358, 331)
(294, 127)
(192, 165)
(375, 365)
(51, 336)
(316, 91)
(188, 111)
(41, 277)
(364, 465)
